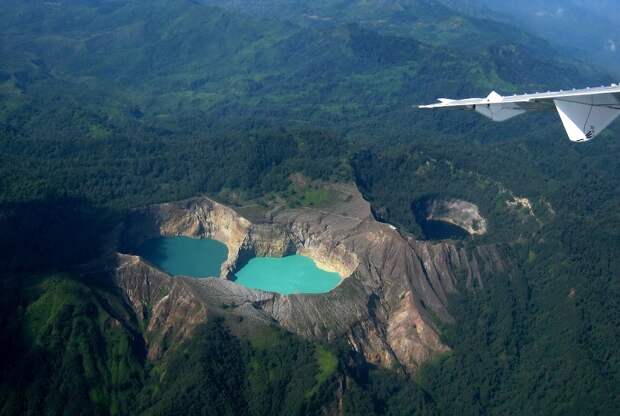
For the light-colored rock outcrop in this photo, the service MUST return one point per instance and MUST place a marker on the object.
(394, 288)
(201, 217)
(460, 213)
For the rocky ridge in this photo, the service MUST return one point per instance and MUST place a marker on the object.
(393, 293)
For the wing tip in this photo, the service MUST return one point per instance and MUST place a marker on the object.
(442, 102)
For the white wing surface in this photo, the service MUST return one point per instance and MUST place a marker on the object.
(584, 113)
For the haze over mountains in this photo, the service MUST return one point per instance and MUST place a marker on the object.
(272, 108)
(587, 29)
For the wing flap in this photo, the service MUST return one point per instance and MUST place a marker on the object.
(499, 112)
(585, 117)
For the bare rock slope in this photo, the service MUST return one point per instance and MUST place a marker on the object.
(394, 289)
(460, 213)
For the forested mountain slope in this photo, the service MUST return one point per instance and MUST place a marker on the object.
(427, 20)
(111, 105)
(179, 61)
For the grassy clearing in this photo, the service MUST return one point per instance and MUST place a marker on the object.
(328, 364)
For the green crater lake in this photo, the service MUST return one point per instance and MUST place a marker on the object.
(195, 257)
(286, 275)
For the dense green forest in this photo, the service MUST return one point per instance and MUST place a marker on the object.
(111, 105)
(73, 347)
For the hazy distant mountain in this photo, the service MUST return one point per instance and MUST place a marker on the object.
(587, 31)
(591, 28)
(427, 20)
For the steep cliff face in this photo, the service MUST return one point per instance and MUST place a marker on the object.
(167, 309)
(393, 287)
(191, 218)
(460, 213)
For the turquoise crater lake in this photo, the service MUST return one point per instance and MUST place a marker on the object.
(286, 275)
(184, 256)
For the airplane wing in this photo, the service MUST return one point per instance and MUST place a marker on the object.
(584, 113)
